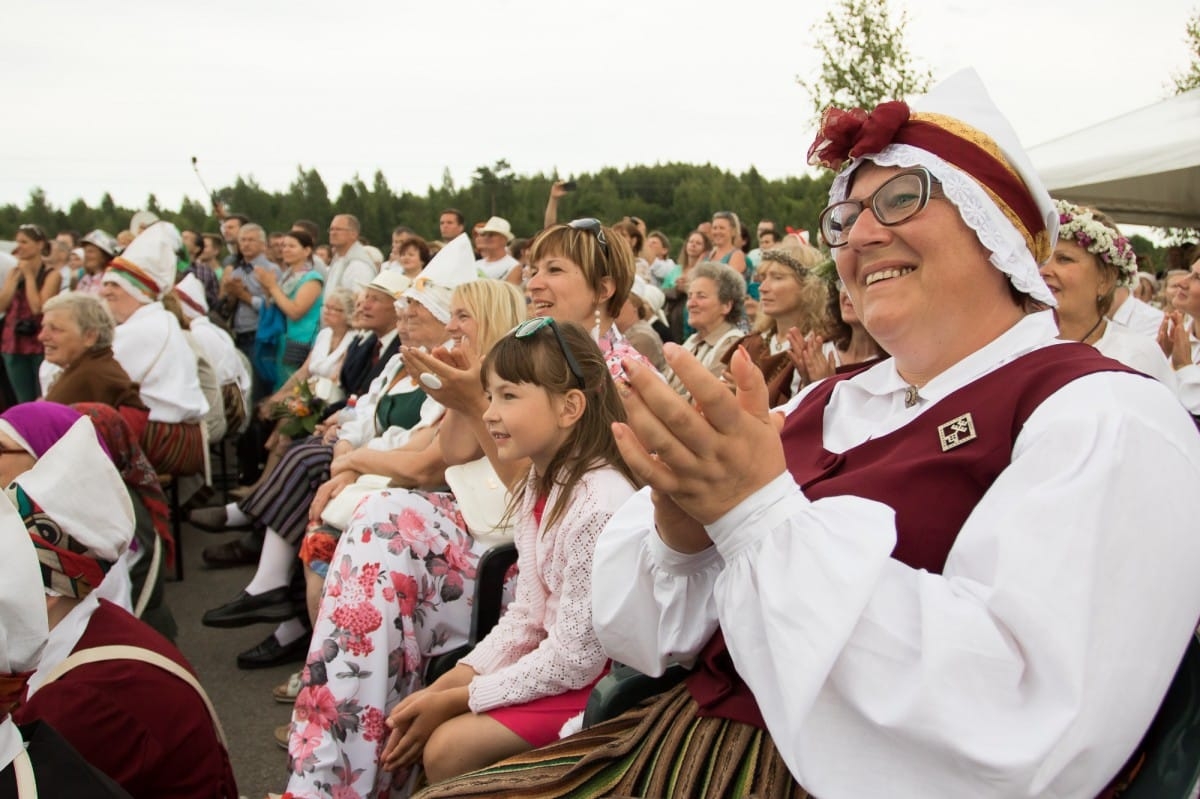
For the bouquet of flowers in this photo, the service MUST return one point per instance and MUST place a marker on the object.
(300, 412)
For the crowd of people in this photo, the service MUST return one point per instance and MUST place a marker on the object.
(892, 496)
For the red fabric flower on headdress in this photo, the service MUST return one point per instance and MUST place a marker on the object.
(848, 134)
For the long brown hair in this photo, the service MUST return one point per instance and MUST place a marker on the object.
(537, 359)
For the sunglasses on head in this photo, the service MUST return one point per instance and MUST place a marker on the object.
(531, 326)
(591, 226)
(33, 232)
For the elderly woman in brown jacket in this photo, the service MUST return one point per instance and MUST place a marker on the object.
(77, 334)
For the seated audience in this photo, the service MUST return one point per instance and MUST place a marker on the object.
(133, 715)
(888, 585)
(150, 345)
(394, 413)
(407, 634)
(232, 371)
(34, 759)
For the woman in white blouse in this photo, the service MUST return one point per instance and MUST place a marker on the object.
(1090, 262)
(320, 370)
(936, 576)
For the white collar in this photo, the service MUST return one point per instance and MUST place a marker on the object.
(63, 638)
(1031, 332)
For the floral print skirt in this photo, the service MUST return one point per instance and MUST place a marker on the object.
(400, 589)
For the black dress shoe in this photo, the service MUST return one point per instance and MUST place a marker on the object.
(272, 606)
(214, 520)
(272, 653)
(231, 553)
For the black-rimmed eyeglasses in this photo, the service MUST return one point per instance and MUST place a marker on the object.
(899, 199)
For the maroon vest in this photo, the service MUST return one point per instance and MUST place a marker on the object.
(932, 472)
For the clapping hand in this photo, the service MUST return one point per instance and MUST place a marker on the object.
(807, 355)
(705, 458)
(1174, 340)
(456, 372)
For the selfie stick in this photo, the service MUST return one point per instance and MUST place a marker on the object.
(196, 169)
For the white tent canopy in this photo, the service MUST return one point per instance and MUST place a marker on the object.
(1142, 167)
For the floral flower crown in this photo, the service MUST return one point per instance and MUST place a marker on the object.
(1081, 226)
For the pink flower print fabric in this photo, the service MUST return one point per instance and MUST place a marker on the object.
(400, 590)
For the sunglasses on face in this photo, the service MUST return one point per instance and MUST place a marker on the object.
(899, 199)
(531, 326)
(591, 226)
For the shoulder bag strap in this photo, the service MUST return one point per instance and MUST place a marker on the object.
(100, 654)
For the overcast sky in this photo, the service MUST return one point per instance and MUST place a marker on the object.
(119, 96)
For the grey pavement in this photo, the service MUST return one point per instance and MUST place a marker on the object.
(242, 698)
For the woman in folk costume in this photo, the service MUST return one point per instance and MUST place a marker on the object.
(233, 376)
(151, 347)
(929, 577)
(153, 551)
(134, 714)
(34, 759)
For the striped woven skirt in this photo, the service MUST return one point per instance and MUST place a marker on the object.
(659, 749)
(176, 449)
(283, 499)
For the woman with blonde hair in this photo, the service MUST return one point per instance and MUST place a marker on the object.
(373, 629)
(792, 298)
(726, 233)
(1090, 262)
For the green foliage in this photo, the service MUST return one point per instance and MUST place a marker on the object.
(1147, 249)
(1190, 78)
(864, 60)
(671, 197)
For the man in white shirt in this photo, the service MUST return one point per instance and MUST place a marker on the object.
(492, 241)
(352, 266)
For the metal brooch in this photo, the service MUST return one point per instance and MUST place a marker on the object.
(957, 432)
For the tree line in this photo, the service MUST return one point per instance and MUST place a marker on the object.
(671, 197)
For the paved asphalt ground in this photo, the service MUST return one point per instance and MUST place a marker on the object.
(242, 698)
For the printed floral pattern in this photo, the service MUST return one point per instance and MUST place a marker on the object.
(400, 589)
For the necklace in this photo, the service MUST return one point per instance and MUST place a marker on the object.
(1088, 334)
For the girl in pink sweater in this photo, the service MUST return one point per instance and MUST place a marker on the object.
(552, 404)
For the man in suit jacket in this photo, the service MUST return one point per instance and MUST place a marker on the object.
(376, 312)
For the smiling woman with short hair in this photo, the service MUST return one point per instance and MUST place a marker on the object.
(77, 333)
